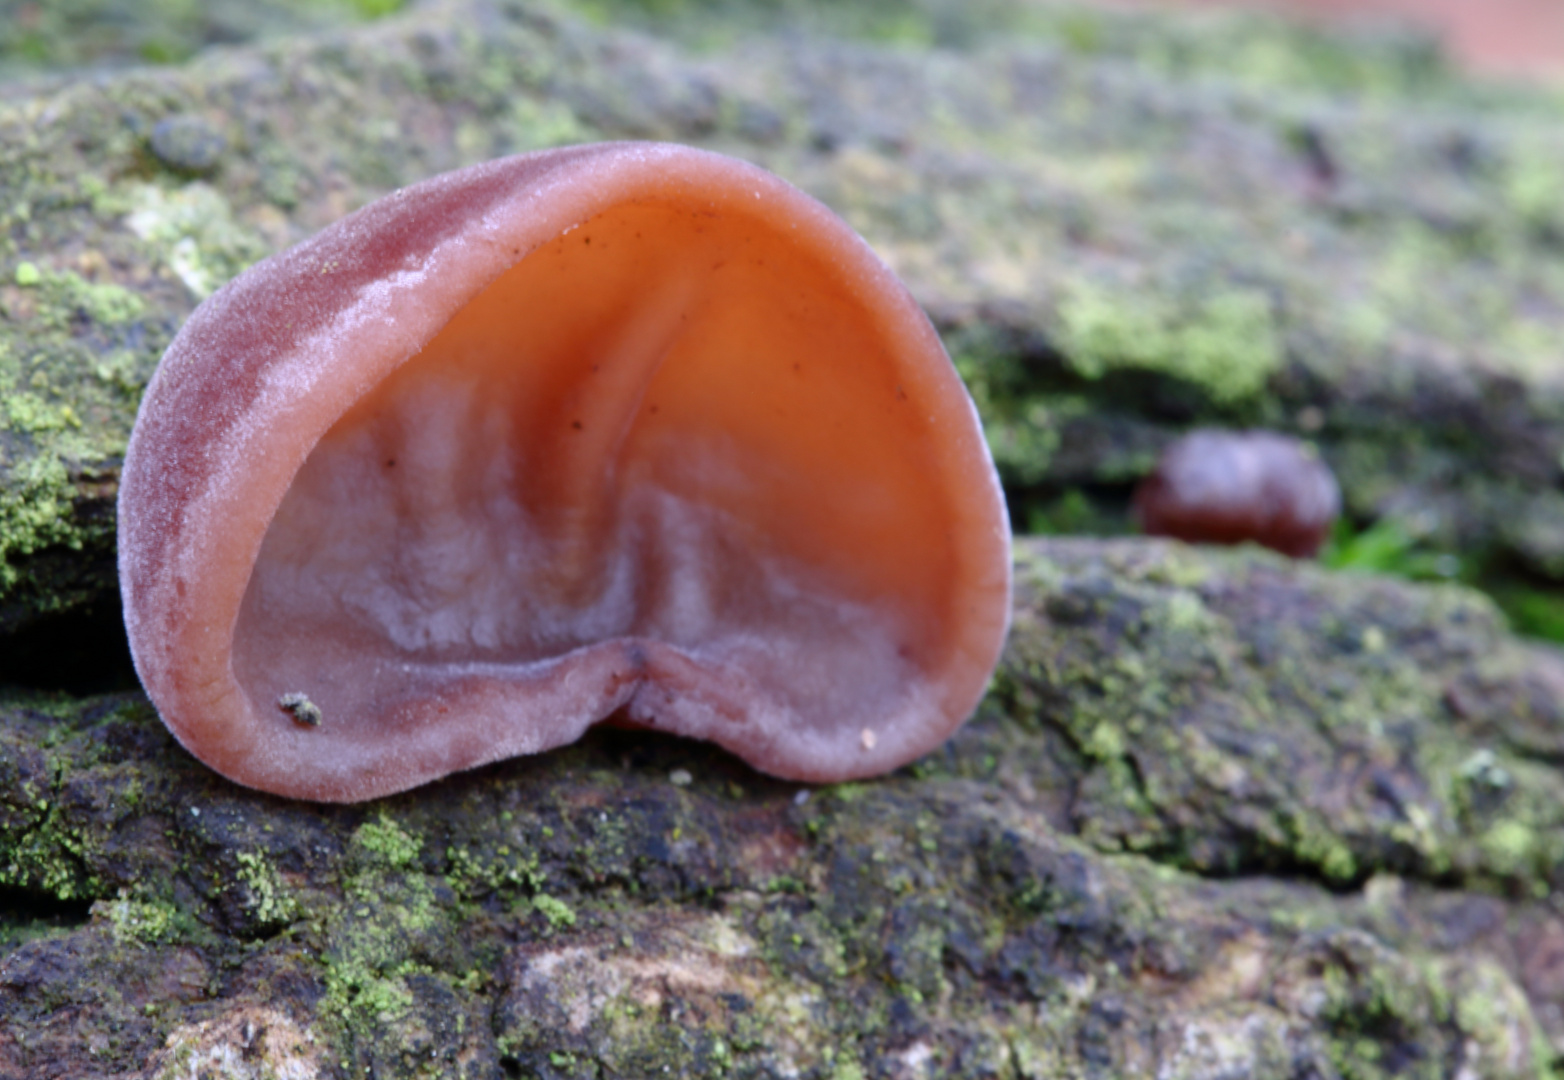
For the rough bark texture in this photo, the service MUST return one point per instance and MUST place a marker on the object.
(1123, 231)
(1222, 815)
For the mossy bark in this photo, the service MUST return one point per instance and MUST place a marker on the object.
(1221, 815)
(1122, 228)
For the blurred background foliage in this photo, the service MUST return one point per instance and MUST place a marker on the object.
(39, 36)
(1380, 61)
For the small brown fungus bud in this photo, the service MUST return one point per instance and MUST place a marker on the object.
(1228, 487)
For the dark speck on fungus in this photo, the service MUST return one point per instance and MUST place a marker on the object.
(1228, 487)
(810, 572)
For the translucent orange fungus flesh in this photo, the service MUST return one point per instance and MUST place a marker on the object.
(625, 430)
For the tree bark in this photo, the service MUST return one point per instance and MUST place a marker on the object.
(1221, 815)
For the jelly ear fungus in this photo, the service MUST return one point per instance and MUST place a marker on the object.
(1231, 487)
(625, 430)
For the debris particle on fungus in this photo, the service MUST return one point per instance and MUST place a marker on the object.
(301, 708)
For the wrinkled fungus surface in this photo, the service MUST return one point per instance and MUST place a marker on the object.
(626, 430)
(1228, 487)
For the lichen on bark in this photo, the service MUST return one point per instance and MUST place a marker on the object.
(1219, 812)
(1219, 815)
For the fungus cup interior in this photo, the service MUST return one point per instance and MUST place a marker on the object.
(668, 466)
